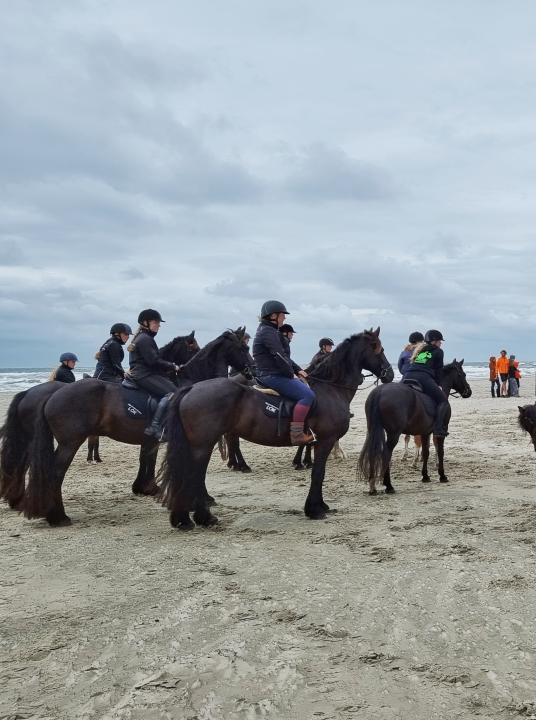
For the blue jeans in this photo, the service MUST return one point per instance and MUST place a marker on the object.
(291, 388)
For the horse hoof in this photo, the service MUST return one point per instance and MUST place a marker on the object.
(235, 468)
(245, 469)
(308, 466)
(205, 519)
(181, 521)
(98, 460)
(317, 515)
(425, 479)
(390, 490)
(443, 479)
(63, 521)
(372, 492)
(299, 466)
(210, 501)
(151, 490)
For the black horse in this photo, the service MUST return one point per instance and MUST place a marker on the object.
(17, 432)
(94, 407)
(178, 351)
(527, 420)
(202, 414)
(399, 409)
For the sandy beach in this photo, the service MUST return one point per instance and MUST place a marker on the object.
(416, 606)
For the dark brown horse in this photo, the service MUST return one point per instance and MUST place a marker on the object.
(17, 431)
(94, 407)
(178, 351)
(527, 420)
(397, 409)
(202, 414)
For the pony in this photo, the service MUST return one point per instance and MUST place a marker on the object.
(201, 414)
(399, 409)
(527, 421)
(94, 407)
(178, 351)
(17, 432)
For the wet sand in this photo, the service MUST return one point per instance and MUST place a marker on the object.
(419, 605)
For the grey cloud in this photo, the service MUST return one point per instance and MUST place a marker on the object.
(11, 252)
(246, 287)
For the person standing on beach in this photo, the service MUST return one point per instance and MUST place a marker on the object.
(65, 371)
(503, 366)
(513, 386)
(494, 377)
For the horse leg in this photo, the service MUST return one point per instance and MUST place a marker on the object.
(390, 445)
(96, 456)
(297, 460)
(242, 464)
(232, 461)
(440, 449)
(145, 484)
(93, 449)
(315, 507)
(425, 455)
(406, 446)
(308, 460)
(63, 457)
(202, 515)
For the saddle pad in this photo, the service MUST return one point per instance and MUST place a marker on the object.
(266, 390)
(138, 403)
(272, 409)
(413, 384)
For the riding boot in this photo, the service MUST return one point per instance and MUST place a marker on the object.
(442, 418)
(156, 429)
(298, 436)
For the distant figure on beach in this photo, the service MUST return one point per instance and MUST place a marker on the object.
(494, 377)
(513, 382)
(65, 371)
(111, 354)
(405, 356)
(503, 366)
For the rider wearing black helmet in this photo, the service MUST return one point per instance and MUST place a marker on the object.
(148, 370)
(287, 332)
(326, 346)
(111, 354)
(65, 371)
(275, 368)
(405, 356)
(426, 366)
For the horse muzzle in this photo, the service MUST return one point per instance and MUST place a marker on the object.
(387, 375)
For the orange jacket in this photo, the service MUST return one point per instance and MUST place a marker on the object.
(493, 369)
(502, 365)
(517, 370)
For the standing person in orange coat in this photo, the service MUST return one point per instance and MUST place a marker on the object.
(494, 377)
(503, 365)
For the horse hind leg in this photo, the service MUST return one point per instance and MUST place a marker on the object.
(418, 446)
(297, 460)
(93, 449)
(145, 483)
(407, 438)
(63, 457)
(202, 515)
(439, 444)
(425, 455)
(390, 445)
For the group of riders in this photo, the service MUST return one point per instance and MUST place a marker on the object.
(421, 361)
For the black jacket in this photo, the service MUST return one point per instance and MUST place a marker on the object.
(111, 355)
(270, 355)
(316, 360)
(429, 360)
(286, 347)
(144, 359)
(65, 374)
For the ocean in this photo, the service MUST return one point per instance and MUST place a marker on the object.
(13, 380)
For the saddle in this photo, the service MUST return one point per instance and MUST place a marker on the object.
(413, 384)
(278, 407)
(137, 402)
(429, 404)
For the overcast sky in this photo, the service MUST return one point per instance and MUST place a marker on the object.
(366, 163)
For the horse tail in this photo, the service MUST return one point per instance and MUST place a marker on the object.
(176, 468)
(41, 463)
(13, 454)
(372, 461)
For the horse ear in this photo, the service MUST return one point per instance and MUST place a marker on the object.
(377, 331)
(461, 361)
(454, 360)
(191, 335)
(521, 409)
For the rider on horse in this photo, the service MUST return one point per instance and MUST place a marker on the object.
(148, 370)
(65, 371)
(276, 370)
(426, 366)
(404, 363)
(111, 354)
(326, 346)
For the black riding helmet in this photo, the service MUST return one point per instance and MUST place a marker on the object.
(286, 328)
(432, 335)
(273, 306)
(148, 315)
(120, 328)
(416, 337)
(325, 341)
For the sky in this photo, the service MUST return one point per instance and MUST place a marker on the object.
(368, 164)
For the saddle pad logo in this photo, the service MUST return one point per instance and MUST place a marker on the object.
(133, 410)
(271, 408)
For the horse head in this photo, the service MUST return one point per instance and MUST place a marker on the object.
(191, 343)
(375, 359)
(458, 378)
(527, 420)
(236, 351)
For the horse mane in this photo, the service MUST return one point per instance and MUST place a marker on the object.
(206, 357)
(338, 363)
